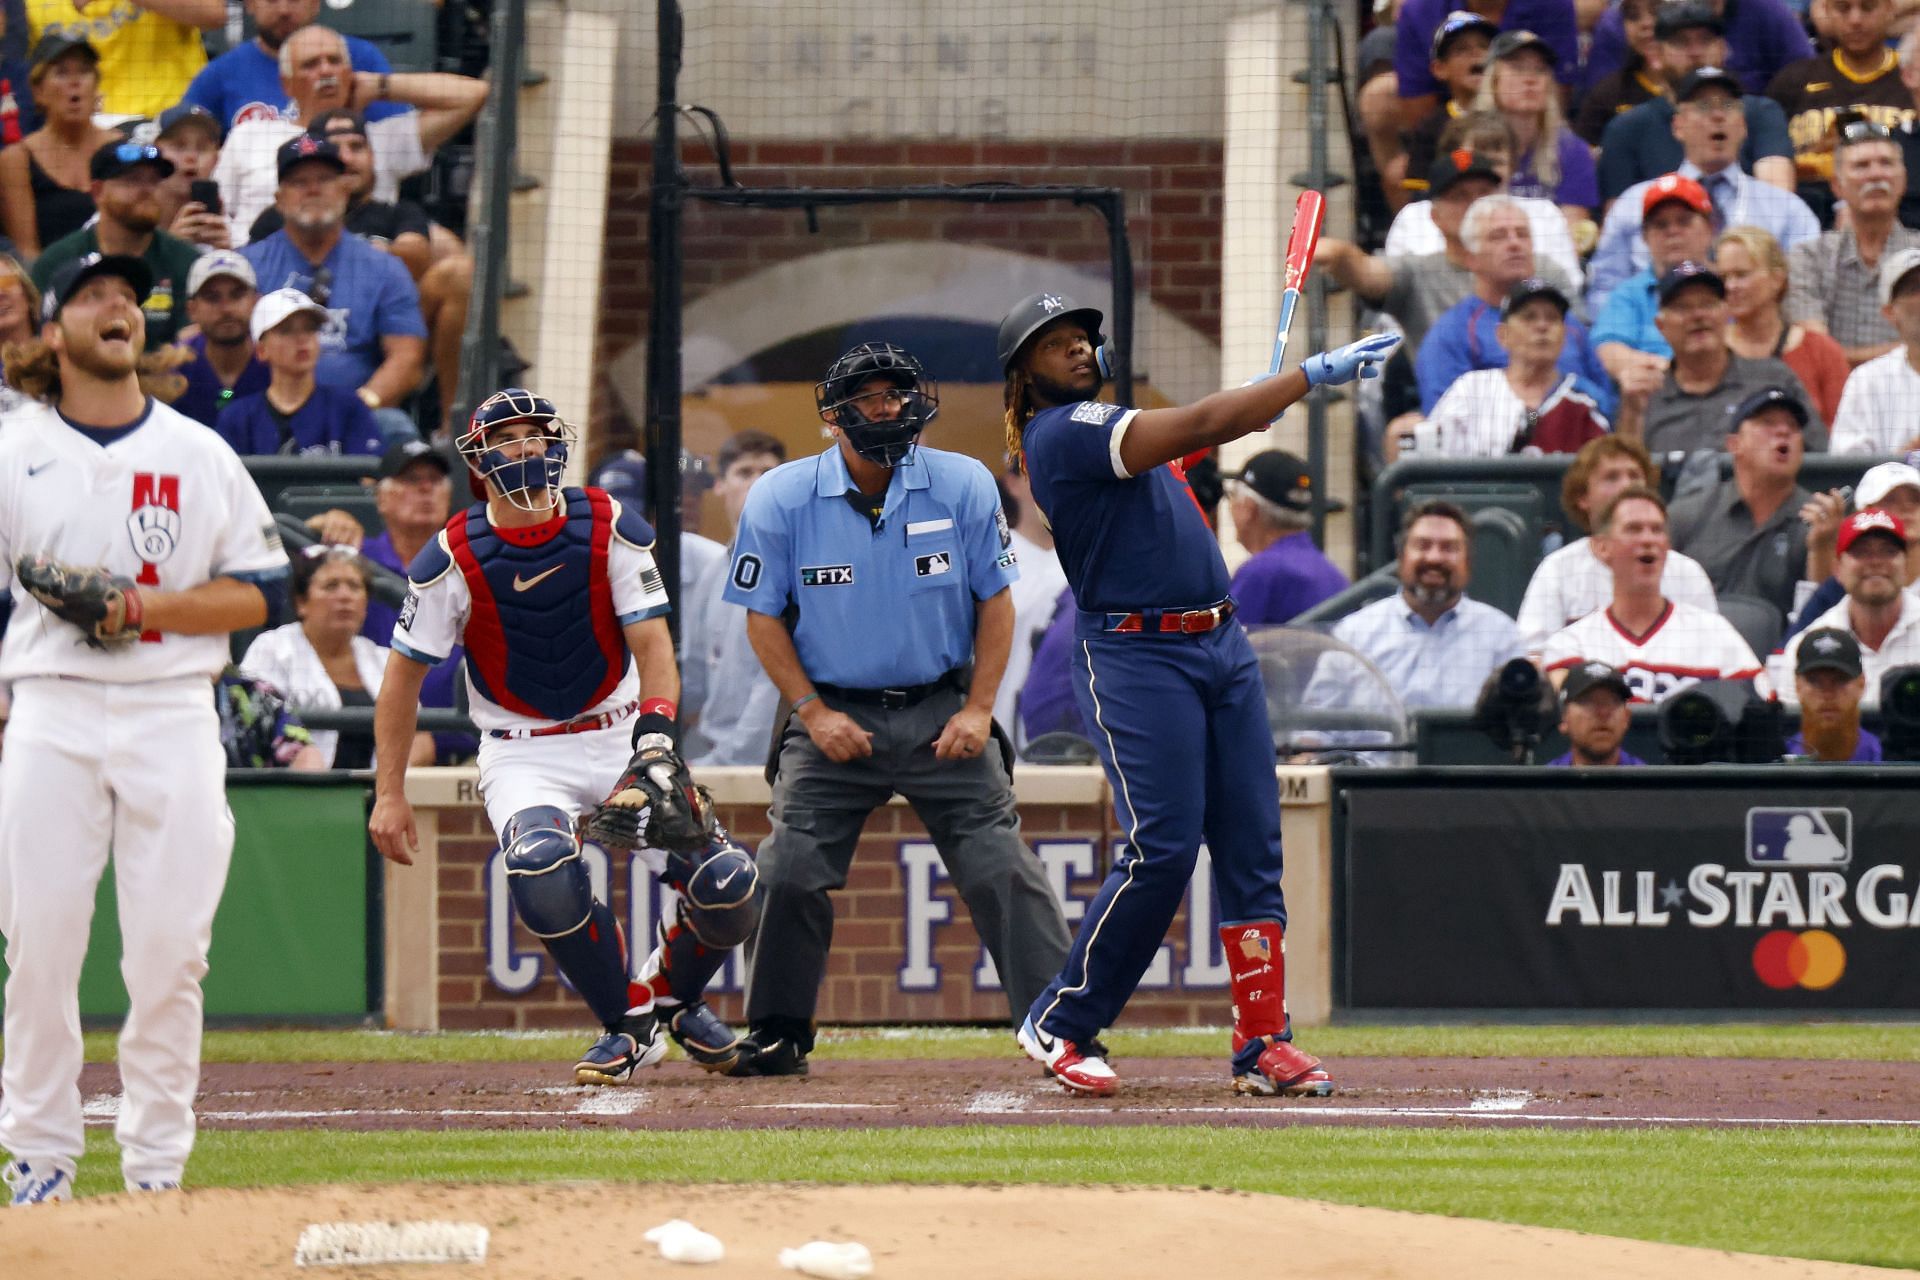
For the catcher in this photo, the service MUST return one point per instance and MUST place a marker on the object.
(570, 667)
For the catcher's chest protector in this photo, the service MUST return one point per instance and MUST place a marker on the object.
(542, 638)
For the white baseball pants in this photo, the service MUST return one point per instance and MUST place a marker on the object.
(136, 769)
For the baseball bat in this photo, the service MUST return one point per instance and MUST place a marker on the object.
(1309, 211)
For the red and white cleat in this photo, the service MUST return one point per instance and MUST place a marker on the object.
(1077, 1072)
(1269, 1068)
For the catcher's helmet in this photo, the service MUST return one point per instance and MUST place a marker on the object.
(517, 479)
(1035, 312)
(887, 441)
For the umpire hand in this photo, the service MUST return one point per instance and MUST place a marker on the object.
(966, 734)
(838, 735)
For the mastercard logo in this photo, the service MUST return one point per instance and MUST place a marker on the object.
(1814, 959)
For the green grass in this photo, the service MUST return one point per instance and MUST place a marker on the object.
(1871, 1041)
(1839, 1194)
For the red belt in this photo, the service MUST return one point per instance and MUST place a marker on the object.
(1185, 622)
(585, 724)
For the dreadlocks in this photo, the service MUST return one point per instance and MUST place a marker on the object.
(1019, 411)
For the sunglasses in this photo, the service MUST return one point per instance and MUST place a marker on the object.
(1859, 130)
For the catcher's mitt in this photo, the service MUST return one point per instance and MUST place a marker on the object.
(655, 802)
(106, 608)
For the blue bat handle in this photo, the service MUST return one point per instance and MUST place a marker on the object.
(1288, 301)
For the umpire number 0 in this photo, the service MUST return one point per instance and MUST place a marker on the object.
(746, 572)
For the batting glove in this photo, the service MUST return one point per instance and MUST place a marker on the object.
(1360, 359)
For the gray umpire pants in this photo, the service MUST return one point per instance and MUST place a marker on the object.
(967, 805)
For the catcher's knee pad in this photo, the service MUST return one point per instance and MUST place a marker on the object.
(721, 899)
(545, 874)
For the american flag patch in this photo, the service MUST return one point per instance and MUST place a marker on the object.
(651, 582)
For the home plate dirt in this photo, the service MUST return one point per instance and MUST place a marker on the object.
(557, 1232)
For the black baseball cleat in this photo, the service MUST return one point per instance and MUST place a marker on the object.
(709, 1043)
(777, 1056)
(615, 1056)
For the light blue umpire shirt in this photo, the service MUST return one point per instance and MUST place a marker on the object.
(874, 607)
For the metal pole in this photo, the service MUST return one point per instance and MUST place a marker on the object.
(1319, 23)
(665, 211)
(497, 135)
(1120, 250)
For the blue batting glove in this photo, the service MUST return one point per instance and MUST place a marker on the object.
(1360, 359)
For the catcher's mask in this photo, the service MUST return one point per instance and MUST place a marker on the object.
(881, 423)
(520, 480)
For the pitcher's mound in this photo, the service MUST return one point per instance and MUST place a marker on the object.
(557, 1231)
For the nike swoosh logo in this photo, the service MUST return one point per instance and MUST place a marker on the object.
(1044, 1040)
(34, 471)
(528, 584)
(722, 883)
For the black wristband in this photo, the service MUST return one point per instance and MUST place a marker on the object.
(654, 722)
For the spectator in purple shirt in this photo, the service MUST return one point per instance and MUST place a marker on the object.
(1552, 163)
(1271, 499)
(1046, 701)
(1595, 718)
(1830, 681)
(1552, 20)
(221, 293)
(296, 414)
(1762, 37)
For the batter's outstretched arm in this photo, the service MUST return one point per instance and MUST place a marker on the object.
(1154, 436)
(396, 714)
(214, 607)
(652, 647)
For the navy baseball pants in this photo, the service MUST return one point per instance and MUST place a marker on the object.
(1180, 722)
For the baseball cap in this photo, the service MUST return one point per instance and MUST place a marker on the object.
(303, 147)
(1682, 274)
(68, 279)
(1282, 478)
(1450, 167)
(1673, 186)
(1897, 266)
(1701, 77)
(1863, 524)
(53, 45)
(1458, 23)
(1882, 480)
(188, 113)
(1828, 649)
(399, 457)
(1519, 41)
(1529, 289)
(1687, 15)
(1588, 676)
(1764, 399)
(327, 123)
(275, 308)
(118, 158)
(220, 262)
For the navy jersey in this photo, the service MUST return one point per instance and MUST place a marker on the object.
(1126, 542)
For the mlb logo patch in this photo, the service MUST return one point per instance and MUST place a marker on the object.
(1787, 837)
(932, 566)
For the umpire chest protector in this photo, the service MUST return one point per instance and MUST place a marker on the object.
(542, 637)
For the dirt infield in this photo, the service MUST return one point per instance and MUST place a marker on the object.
(1373, 1091)
(554, 1232)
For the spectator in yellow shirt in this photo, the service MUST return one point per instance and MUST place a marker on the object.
(149, 49)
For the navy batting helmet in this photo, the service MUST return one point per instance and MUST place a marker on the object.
(1035, 312)
(517, 479)
(914, 401)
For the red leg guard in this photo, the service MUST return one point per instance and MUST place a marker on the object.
(1257, 969)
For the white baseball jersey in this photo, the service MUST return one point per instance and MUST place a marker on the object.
(1572, 582)
(1901, 648)
(166, 503)
(434, 619)
(1877, 412)
(1684, 646)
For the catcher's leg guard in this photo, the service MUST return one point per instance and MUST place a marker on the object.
(555, 900)
(722, 898)
(1265, 1062)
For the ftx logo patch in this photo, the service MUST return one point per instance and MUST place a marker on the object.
(826, 575)
(932, 566)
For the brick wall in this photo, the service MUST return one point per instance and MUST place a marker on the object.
(864, 972)
(1174, 213)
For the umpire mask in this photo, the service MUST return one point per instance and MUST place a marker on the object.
(882, 398)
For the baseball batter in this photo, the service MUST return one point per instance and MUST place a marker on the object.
(1168, 682)
(569, 667)
(131, 542)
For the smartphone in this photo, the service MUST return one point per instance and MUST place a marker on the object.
(207, 192)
